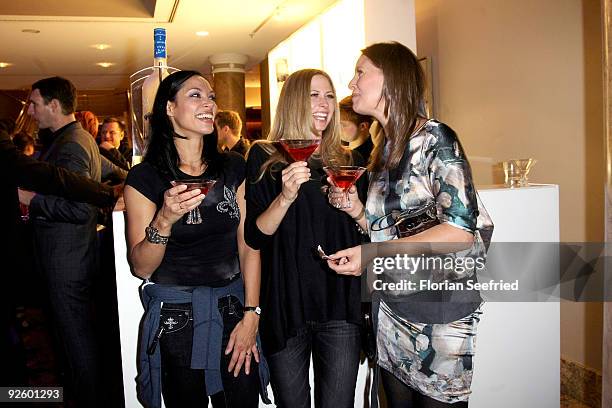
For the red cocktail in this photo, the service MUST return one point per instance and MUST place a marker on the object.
(194, 216)
(344, 177)
(25, 212)
(300, 149)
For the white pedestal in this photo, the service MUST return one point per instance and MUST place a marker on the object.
(130, 311)
(517, 355)
(517, 361)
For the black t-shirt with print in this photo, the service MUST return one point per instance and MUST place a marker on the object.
(206, 253)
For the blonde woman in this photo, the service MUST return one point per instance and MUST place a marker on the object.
(307, 310)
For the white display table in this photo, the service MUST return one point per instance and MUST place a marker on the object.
(517, 354)
(517, 361)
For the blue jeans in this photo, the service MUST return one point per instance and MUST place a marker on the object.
(335, 347)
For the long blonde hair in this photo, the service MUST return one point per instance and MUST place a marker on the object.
(293, 120)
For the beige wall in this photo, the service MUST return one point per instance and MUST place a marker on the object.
(518, 79)
(390, 20)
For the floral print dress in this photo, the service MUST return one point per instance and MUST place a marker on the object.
(430, 354)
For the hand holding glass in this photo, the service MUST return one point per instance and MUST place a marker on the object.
(300, 149)
(344, 177)
(194, 216)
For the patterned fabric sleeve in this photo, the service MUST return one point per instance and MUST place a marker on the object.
(451, 180)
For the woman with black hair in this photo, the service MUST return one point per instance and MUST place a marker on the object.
(202, 291)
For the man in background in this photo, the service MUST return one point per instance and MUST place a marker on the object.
(16, 169)
(113, 144)
(355, 129)
(65, 235)
(229, 126)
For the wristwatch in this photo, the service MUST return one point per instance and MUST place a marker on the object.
(152, 235)
(255, 309)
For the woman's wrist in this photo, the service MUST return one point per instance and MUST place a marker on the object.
(162, 225)
(358, 215)
(251, 319)
(284, 200)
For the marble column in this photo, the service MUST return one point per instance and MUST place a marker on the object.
(228, 72)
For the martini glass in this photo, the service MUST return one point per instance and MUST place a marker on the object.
(344, 177)
(300, 149)
(194, 216)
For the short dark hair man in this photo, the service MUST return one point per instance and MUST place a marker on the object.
(355, 128)
(113, 144)
(65, 235)
(16, 169)
(229, 126)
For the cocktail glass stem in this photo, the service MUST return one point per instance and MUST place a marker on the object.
(344, 177)
(348, 203)
(194, 216)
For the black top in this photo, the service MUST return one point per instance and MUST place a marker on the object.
(17, 169)
(121, 157)
(297, 286)
(365, 149)
(206, 253)
(241, 147)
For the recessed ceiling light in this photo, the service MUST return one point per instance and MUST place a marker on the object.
(5, 64)
(202, 33)
(30, 30)
(105, 64)
(101, 46)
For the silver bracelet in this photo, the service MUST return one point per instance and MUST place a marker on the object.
(152, 235)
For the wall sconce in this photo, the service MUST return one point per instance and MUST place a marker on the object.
(282, 70)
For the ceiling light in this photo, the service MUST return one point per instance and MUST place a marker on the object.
(5, 64)
(101, 46)
(202, 33)
(105, 64)
(30, 30)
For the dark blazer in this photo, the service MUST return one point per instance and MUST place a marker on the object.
(17, 169)
(121, 157)
(64, 230)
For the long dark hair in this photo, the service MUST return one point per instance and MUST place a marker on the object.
(403, 92)
(161, 151)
